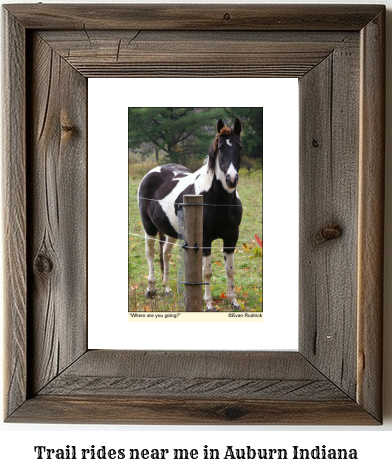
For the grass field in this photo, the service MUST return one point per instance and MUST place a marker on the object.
(248, 261)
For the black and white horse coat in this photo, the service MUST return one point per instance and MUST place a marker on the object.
(162, 190)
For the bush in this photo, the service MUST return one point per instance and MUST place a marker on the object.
(193, 164)
(251, 174)
(251, 163)
(139, 170)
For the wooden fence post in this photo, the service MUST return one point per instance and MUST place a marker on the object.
(193, 237)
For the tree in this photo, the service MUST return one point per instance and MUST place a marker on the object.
(179, 131)
(252, 137)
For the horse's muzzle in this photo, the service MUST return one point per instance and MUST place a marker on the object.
(232, 181)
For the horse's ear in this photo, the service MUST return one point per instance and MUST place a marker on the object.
(237, 126)
(220, 125)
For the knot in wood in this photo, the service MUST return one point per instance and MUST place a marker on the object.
(315, 143)
(328, 233)
(232, 412)
(68, 129)
(227, 16)
(43, 264)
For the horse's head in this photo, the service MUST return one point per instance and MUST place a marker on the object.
(227, 148)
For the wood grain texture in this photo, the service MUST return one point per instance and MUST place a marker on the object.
(329, 167)
(207, 364)
(187, 374)
(193, 235)
(175, 387)
(371, 216)
(103, 409)
(194, 17)
(194, 53)
(57, 215)
(208, 387)
(14, 207)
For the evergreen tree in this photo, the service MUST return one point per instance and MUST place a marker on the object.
(180, 132)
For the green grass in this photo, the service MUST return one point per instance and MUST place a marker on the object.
(248, 271)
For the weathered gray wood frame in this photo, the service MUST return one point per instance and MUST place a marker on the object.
(337, 52)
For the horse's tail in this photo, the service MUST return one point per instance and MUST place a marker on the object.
(161, 244)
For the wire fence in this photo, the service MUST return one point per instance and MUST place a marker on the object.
(204, 204)
(188, 247)
(248, 268)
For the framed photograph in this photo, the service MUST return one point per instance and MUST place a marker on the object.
(337, 54)
(176, 152)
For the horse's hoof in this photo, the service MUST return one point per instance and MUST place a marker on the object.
(168, 294)
(235, 305)
(150, 294)
(211, 309)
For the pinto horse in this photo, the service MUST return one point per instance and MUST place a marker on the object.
(161, 193)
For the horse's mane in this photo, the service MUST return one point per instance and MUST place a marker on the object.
(214, 147)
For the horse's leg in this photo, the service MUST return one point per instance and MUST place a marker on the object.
(150, 242)
(207, 272)
(229, 245)
(228, 255)
(167, 252)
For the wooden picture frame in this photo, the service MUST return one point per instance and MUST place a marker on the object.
(338, 54)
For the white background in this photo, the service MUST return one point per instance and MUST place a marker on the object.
(108, 214)
(373, 444)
